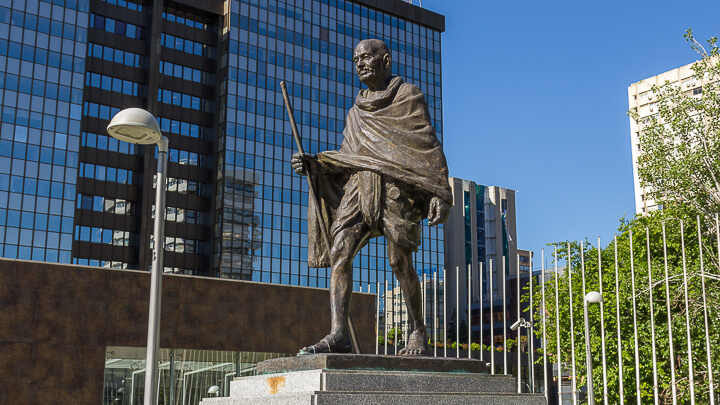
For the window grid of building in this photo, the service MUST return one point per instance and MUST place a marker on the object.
(42, 60)
(69, 193)
(480, 221)
(176, 87)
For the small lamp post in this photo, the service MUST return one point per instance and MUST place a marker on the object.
(135, 125)
(522, 323)
(591, 297)
(214, 390)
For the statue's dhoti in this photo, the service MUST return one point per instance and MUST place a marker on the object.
(389, 209)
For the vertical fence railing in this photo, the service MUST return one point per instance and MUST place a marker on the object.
(457, 310)
(531, 340)
(705, 314)
(572, 328)
(491, 294)
(385, 322)
(635, 331)
(544, 327)
(602, 328)
(691, 373)
(395, 305)
(621, 381)
(673, 367)
(669, 319)
(518, 329)
(445, 301)
(377, 317)
(656, 394)
(469, 311)
(424, 302)
(481, 291)
(504, 316)
(558, 353)
(435, 314)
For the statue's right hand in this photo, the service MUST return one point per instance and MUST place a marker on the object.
(299, 162)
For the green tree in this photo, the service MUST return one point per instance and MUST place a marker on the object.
(463, 331)
(452, 327)
(635, 263)
(680, 167)
(393, 334)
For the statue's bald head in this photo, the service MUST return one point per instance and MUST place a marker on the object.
(372, 63)
(378, 46)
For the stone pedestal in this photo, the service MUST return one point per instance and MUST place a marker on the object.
(370, 379)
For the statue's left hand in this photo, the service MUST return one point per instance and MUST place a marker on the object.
(438, 212)
(300, 161)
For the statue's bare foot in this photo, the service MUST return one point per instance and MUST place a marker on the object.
(416, 345)
(327, 345)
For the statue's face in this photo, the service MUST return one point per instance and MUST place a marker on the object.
(372, 65)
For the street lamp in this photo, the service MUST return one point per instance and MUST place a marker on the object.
(135, 125)
(214, 390)
(591, 297)
(522, 323)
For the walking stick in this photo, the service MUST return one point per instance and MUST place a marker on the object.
(313, 196)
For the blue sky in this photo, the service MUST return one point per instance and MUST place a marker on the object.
(535, 99)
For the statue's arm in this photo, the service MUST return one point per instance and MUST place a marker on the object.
(303, 162)
(438, 211)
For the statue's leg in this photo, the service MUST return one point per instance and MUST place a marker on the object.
(345, 246)
(401, 264)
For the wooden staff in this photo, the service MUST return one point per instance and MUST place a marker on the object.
(313, 196)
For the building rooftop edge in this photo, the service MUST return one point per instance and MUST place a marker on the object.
(399, 8)
(409, 11)
(450, 178)
(687, 65)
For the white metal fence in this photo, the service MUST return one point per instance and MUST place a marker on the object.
(508, 346)
(653, 337)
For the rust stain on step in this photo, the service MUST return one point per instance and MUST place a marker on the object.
(275, 384)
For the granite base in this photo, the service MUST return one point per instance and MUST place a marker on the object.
(330, 379)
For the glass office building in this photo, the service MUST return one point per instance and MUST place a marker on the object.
(42, 66)
(210, 72)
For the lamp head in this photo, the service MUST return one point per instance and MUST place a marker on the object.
(594, 297)
(520, 322)
(135, 125)
(214, 390)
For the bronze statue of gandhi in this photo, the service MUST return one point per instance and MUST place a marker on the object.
(388, 175)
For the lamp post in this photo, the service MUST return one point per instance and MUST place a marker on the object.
(214, 390)
(135, 125)
(591, 297)
(518, 325)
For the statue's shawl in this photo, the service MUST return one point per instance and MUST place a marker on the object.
(389, 133)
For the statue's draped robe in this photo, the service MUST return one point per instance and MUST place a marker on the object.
(388, 133)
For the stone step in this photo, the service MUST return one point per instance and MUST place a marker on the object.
(411, 398)
(371, 381)
(379, 398)
(395, 381)
(335, 361)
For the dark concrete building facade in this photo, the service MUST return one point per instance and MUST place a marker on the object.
(61, 323)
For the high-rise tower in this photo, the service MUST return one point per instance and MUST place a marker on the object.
(643, 100)
(210, 72)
